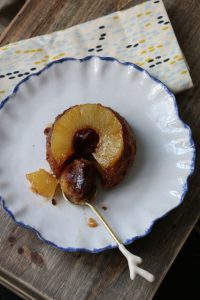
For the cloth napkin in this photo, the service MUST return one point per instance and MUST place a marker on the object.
(142, 34)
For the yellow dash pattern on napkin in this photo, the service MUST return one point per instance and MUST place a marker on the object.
(142, 35)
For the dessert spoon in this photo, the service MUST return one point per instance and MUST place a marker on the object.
(132, 259)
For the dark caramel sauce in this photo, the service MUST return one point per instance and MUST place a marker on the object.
(85, 141)
(104, 207)
(53, 201)
(47, 129)
(92, 223)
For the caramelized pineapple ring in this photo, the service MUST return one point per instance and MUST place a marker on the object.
(95, 133)
(96, 117)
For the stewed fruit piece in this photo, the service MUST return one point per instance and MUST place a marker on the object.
(78, 181)
(42, 183)
(94, 131)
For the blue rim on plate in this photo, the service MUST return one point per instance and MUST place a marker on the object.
(185, 187)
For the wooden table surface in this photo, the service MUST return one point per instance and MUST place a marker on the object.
(35, 270)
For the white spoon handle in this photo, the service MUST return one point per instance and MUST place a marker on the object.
(132, 259)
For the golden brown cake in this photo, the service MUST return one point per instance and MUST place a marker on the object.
(95, 138)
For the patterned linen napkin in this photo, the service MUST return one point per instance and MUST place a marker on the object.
(142, 34)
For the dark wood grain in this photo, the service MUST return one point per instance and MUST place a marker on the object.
(43, 272)
(40, 17)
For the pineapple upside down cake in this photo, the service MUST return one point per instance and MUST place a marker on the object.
(85, 142)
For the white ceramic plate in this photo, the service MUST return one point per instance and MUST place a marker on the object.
(156, 183)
